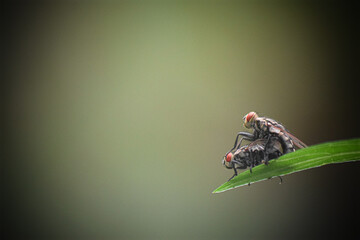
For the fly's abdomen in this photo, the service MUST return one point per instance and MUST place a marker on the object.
(286, 143)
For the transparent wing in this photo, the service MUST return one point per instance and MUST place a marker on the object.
(259, 141)
(297, 142)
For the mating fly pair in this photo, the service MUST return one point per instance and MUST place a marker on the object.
(269, 140)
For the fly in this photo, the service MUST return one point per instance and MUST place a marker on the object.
(266, 128)
(253, 154)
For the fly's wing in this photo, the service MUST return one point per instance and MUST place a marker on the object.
(276, 124)
(275, 149)
(260, 141)
(280, 127)
(258, 144)
(296, 141)
(276, 145)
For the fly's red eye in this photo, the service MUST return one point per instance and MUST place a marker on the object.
(228, 157)
(249, 116)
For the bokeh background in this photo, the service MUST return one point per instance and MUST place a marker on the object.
(117, 115)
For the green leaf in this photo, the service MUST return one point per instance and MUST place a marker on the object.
(302, 159)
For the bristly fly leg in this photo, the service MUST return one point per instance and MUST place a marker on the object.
(281, 180)
(251, 161)
(267, 142)
(246, 136)
(266, 158)
(234, 167)
(235, 174)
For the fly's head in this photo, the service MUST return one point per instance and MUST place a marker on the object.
(249, 119)
(227, 161)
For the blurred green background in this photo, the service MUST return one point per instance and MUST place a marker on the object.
(117, 116)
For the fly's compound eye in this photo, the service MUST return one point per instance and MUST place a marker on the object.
(249, 119)
(249, 116)
(228, 157)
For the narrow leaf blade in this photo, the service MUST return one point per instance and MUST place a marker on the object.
(302, 159)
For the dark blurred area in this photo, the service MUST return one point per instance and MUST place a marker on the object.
(115, 117)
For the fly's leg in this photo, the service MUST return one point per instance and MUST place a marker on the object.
(246, 136)
(281, 180)
(231, 177)
(259, 156)
(249, 137)
(235, 174)
(251, 162)
(240, 164)
(266, 159)
(266, 151)
(267, 142)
